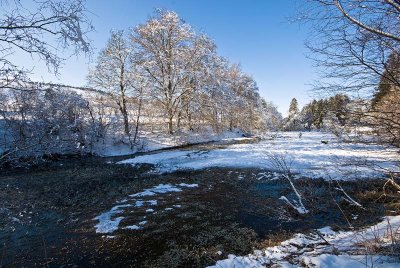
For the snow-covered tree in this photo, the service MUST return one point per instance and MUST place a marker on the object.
(292, 122)
(294, 107)
(50, 31)
(170, 53)
(272, 118)
(114, 73)
(45, 119)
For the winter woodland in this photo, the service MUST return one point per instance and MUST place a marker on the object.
(166, 124)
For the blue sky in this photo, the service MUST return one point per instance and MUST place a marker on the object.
(255, 33)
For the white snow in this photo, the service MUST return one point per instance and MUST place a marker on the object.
(133, 227)
(238, 262)
(314, 251)
(188, 185)
(108, 222)
(351, 261)
(307, 156)
(152, 141)
(159, 189)
(140, 203)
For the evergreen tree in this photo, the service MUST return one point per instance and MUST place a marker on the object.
(294, 107)
(292, 122)
(385, 110)
(389, 80)
(337, 105)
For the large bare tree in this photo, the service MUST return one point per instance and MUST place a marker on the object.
(351, 43)
(170, 52)
(113, 73)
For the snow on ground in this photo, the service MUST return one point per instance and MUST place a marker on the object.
(151, 141)
(314, 154)
(320, 249)
(109, 221)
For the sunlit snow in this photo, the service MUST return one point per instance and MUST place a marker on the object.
(307, 156)
(316, 250)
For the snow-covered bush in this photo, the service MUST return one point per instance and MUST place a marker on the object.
(39, 121)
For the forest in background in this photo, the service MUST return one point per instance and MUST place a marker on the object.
(164, 77)
(161, 77)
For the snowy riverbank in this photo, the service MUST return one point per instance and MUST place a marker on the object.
(326, 248)
(114, 146)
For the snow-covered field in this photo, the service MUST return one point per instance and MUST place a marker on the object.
(326, 248)
(312, 155)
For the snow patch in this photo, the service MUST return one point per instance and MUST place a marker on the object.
(159, 189)
(133, 227)
(108, 222)
(350, 261)
(315, 249)
(189, 185)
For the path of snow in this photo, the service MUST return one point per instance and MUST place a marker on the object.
(314, 251)
(307, 155)
(109, 222)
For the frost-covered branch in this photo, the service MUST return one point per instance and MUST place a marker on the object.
(44, 27)
(280, 163)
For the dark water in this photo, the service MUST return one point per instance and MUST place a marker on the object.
(273, 216)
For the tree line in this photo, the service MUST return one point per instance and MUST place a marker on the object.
(320, 114)
(178, 74)
(160, 77)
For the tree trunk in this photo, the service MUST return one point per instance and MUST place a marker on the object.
(124, 113)
(137, 120)
(189, 115)
(169, 106)
(123, 102)
(178, 125)
(170, 124)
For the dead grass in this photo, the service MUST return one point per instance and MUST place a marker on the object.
(274, 239)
